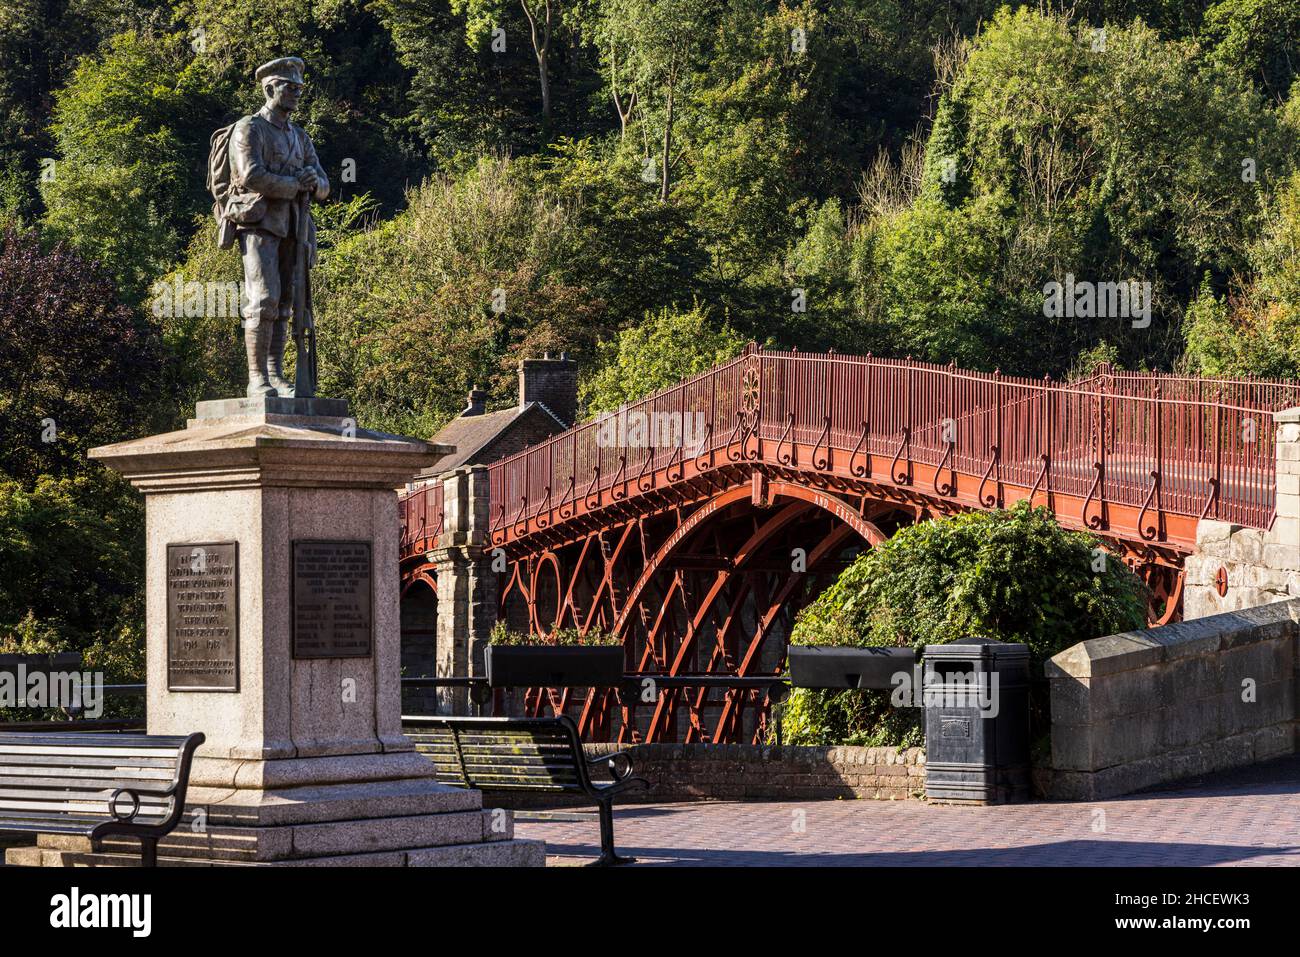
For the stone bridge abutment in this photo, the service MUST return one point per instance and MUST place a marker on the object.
(1236, 567)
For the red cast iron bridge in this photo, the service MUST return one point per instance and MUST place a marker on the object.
(696, 539)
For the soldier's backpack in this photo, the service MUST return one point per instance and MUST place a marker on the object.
(219, 184)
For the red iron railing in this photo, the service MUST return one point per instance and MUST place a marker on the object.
(1164, 445)
(420, 511)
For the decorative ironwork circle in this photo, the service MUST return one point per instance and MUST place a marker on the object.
(749, 392)
(127, 815)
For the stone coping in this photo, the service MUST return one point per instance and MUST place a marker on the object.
(1139, 649)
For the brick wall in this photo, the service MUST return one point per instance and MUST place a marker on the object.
(552, 382)
(734, 772)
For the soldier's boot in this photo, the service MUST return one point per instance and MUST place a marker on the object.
(257, 340)
(275, 360)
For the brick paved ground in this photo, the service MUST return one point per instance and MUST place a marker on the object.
(1251, 817)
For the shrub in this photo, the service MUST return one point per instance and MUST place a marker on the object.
(502, 635)
(1011, 576)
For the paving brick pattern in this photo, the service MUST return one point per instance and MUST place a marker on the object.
(1250, 817)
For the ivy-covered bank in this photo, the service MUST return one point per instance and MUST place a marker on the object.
(1005, 575)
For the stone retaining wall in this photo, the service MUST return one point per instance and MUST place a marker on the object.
(734, 772)
(1142, 708)
(1259, 565)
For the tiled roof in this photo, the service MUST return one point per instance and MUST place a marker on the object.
(471, 433)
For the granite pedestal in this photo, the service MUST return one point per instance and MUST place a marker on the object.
(305, 761)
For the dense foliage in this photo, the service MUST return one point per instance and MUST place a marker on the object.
(645, 185)
(72, 563)
(1003, 575)
(668, 347)
(77, 367)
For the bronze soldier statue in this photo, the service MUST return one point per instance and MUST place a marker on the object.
(273, 172)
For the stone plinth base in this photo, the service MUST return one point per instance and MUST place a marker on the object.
(509, 853)
(304, 760)
(407, 823)
(269, 406)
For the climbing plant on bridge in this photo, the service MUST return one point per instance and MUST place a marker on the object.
(1010, 575)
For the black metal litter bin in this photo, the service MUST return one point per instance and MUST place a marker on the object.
(976, 697)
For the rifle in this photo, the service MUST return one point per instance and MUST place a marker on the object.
(304, 323)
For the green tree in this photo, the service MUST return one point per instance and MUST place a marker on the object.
(77, 368)
(1261, 38)
(471, 277)
(355, 102)
(1254, 330)
(633, 253)
(469, 97)
(668, 347)
(131, 130)
(941, 284)
(1107, 156)
(40, 42)
(663, 45)
(544, 17)
(72, 560)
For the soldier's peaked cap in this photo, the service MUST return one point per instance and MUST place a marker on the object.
(285, 68)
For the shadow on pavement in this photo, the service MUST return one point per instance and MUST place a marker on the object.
(1060, 854)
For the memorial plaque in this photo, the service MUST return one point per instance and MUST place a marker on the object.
(203, 617)
(331, 599)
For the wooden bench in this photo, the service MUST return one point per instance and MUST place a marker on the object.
(523, 754)
(95, 785)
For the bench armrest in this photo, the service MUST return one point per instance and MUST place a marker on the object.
(134, 794)
(620, 764)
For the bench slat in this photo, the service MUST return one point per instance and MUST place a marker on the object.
(513, 741)
(18, 789)
(84, 751)
(480, 779)
(485, 770)
(14, 787)
(85, 801)
(51, 773)
(97, 815)
(47, 827)
(472, 762)
(476, 763)
(108, 739)
(568, 774)
(506, 749)
(64, 760)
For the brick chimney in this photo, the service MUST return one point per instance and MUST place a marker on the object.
(553, 383)
(475, 402)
